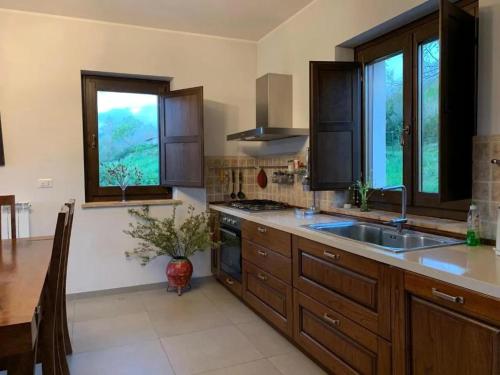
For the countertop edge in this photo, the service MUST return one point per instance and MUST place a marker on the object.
(367, 251)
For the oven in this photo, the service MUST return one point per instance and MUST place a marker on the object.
(230, 246)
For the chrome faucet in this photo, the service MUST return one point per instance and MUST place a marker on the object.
(398, 221)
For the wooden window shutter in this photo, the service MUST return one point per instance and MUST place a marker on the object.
(181, 151)
(457, 101)
(335, 124)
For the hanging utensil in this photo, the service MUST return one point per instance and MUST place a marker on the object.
(262, 179)
(241, 195)
(233, 182)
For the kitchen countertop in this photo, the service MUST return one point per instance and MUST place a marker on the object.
(475, 268)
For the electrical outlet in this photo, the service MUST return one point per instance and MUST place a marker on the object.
(44, 183)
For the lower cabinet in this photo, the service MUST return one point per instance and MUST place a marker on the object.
(340, 344)
(269, 296)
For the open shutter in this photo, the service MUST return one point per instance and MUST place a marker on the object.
(335, 124)
(457, 101)
(181, 154)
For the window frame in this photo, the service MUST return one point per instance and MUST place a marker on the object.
(91, 84)
(408, 38)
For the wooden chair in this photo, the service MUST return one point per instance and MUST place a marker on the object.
(9, 200)
(50, 346)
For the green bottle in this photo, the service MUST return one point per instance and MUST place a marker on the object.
(473, 226)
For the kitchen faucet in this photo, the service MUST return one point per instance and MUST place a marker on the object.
(398, 221)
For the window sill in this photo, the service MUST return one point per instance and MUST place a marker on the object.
(152, 202)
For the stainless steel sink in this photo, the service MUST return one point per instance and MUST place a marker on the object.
(383, 236)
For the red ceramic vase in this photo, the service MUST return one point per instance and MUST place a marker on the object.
(179, 272)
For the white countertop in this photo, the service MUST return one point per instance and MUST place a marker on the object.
(475, 268)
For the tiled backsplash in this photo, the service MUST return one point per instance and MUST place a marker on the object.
(486, 182)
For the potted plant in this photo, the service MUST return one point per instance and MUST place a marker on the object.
(364, 195)
(120, 174)
(162, 237)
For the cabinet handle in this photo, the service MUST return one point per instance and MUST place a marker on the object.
(229, 281)
(330, 255)
(262, 277)
(330, 320)
(261, 252)
(262, 230)
(447, 297)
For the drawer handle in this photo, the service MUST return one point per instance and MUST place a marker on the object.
(330, 255)
(447, 297)
(261, 252)
(262, 277)
(330, 320)
(262, 230)
(229, 281)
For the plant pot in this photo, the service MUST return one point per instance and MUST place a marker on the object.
(179, 272)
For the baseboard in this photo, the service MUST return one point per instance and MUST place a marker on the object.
(130, 289)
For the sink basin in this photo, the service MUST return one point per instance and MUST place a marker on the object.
(384, 236)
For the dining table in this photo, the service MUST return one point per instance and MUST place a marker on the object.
(24, 263)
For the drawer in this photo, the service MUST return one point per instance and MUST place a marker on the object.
(268, 237)
(269, 296)
(467, 301)
(341, 345)
(357, 287)
(269, 260)
(231, 283)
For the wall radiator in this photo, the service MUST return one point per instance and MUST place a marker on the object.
(22, 220)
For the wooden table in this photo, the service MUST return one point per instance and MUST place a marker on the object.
(23, 267)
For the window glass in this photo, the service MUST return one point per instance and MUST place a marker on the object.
(384, 121)
(128, 137)
(428, 116)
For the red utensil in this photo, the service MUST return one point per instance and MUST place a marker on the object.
(262, 178)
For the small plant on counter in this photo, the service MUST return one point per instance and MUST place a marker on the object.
(119, 174)
(364, 194)
(162, 237)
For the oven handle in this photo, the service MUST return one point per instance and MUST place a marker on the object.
(229, 233)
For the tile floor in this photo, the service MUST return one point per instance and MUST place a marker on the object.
(206, 331)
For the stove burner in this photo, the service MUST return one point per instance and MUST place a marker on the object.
(258, 205)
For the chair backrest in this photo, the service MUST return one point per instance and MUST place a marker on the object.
(9, 200)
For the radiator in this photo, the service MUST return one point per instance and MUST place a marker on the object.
(22, 220)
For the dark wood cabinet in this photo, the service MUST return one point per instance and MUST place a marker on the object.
(269, 260)
(271, 238)
(340, 344)
(335, 124)
(444, 342)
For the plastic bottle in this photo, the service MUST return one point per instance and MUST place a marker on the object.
(473, 226)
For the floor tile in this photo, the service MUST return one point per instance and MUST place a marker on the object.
(214, 291)
(107, 306)
(296, 364)
(182, 316)
(266, 339)
(236, 311)
(209, 350)
(144, 358)
(109, 332)
(260, 367)
(158, 299)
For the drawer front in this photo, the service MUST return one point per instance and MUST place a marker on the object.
(268, 237)
(269, 260)
(232, 284)
(342, 345)
(269, 296)
(454, 297)
(357, 287)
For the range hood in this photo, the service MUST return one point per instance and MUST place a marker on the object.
(274, 111)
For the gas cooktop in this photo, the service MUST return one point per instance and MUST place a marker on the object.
(258, 205)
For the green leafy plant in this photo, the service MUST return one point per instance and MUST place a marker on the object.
(364, 194)
(119, 174)
(162, 237)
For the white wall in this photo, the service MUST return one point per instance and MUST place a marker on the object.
(40, 101)
(314, 32)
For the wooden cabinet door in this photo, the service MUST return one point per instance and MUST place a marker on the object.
(444, 342)
(181, 151)
(335, 124)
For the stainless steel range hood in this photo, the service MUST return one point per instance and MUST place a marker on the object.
(274, 111)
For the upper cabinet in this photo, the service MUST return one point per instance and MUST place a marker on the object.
(403, 113)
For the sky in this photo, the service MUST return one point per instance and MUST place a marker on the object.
(107, 100)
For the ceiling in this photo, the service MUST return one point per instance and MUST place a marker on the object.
(242, 19)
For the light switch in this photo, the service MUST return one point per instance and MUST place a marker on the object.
(45, 183)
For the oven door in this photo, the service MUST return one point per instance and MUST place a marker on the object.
(230, 252)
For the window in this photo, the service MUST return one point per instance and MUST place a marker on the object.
(131, 127)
